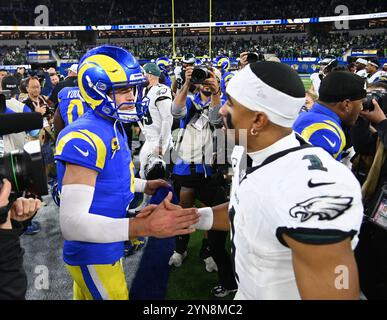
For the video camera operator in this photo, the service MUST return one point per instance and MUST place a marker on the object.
(193, 175)
(13, 280)
(369, 138)
(19, 171)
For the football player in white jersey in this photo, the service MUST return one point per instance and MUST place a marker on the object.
(296, 214)
(373, 73)
(361, 67)
(158, 120)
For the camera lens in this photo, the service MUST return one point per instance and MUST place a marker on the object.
(199, 75)
(252, 57)
(25, 169)
(12, 167)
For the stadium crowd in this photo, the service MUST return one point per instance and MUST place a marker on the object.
(282, 46)
(219, 100)
(108, 12)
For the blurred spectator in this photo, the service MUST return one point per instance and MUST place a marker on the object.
(70, 81)
(3, 73)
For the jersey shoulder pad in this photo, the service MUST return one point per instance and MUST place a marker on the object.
(163, 91)
(82, 145)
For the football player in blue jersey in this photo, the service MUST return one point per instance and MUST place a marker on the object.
(96, 178)
(165, 65)
(70, 108)
(223, 64)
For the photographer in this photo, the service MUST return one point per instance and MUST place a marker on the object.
(369, 138)
(13, 281)
(193, 177)
(15, 140)
(38, 103)
(35, 101)
(179, 80)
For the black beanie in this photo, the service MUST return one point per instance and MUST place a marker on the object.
(341, 85)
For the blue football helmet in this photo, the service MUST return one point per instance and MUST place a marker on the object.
(105, 69)
(163, 63)
(222, 62)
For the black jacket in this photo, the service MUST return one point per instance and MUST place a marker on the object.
(68, 82)
(13, 279)
(364, 143)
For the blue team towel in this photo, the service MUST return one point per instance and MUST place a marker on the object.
(151, 280)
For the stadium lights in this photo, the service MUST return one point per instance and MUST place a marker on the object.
(366, 16)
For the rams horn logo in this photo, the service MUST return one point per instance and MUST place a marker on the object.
(325, 207)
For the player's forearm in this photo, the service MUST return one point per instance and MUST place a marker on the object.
(180, 99)
(77, 224)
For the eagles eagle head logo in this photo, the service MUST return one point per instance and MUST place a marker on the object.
(325, 207)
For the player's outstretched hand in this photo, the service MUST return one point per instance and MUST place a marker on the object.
(167, 219)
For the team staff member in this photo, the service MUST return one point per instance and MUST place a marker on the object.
(96, 178)
(340, 102)
(285, 247)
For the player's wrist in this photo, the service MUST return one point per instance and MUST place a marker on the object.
(206, 219)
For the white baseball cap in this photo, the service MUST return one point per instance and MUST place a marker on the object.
(73, 68)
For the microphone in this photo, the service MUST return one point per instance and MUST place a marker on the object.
(19, 122)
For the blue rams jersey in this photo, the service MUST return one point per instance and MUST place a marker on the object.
(226, 76)
(70, 105)
(180, 167)
(89, 142)
(167, 79)
(322, 127)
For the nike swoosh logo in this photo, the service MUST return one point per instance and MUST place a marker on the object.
(332, 144)
(314, 185)
(84, 153)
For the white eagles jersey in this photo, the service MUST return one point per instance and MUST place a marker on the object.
(301, 191)
(154, 117)
(376, 75)
(316, 81)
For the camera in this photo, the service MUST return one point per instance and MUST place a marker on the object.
(252, 57)
(25, 169)
(199, 75)
(381, 98)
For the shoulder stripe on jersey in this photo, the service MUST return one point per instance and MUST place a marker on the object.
(80, 109)
(101, 148)
(68, 137)
(326, 125)
(342, 136)
(91, 138)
